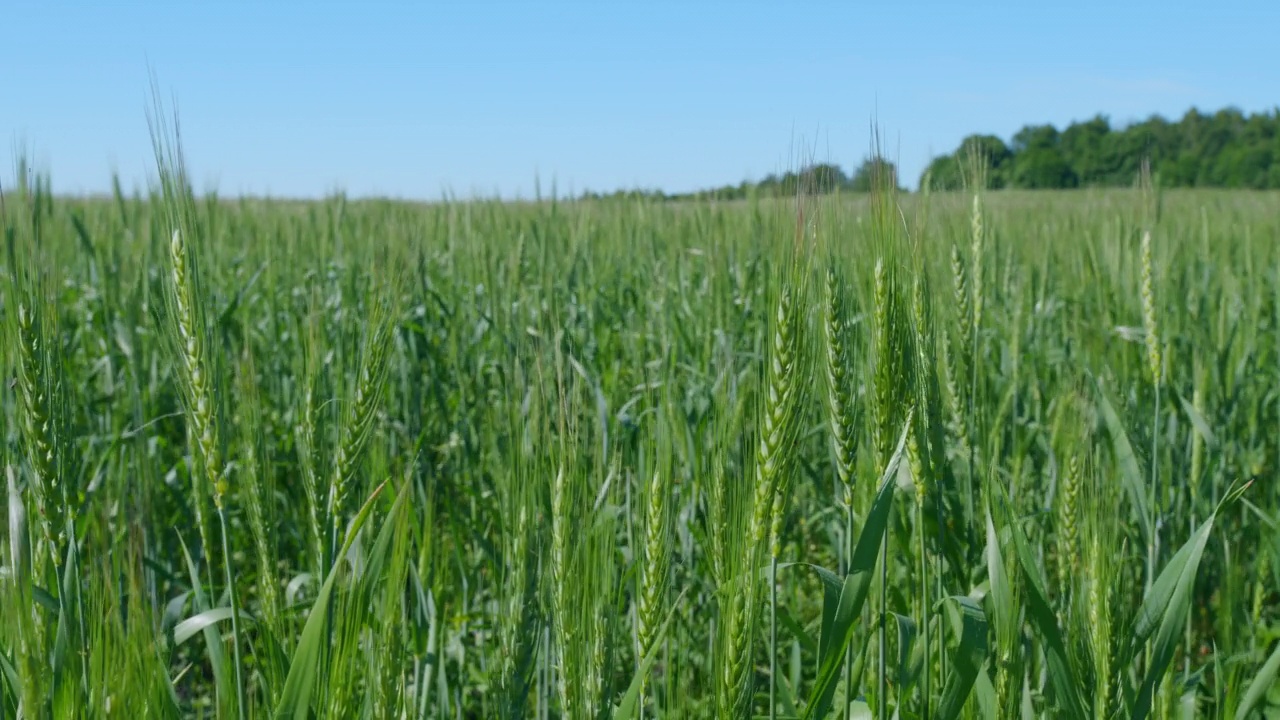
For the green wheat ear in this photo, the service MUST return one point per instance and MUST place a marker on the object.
(892, 378)
(655, 572)
(1068, 524)
(254, 495)
(33, 383)
(206, 472)
(979, 242)
(191, 333)
(1149, 318)
(843, 411)
(961, 296)
(777, 427)
(360, 410)
(919, 455)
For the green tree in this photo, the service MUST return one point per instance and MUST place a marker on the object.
(1084, 145)
(942, 174)
(872, 172)
(988, 157)
(1034, 137)
(1043, 168)
(1226, 148)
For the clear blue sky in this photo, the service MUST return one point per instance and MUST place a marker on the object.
(293, 98)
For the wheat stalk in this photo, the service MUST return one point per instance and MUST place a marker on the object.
(201, 412)
(962, 298)
(1149, 319)
(842, 408)
(304, 437)
(1152, 338)
(37, 431)
(566, 636)
(776, 429)
(979, 241)
(367, 393)
(206, 473)
(892, 381)
(1068, 527)
(254, 492)
(655, 572)
(1099, 614)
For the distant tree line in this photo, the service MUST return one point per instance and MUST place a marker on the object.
(1227, 149)
(819, 179)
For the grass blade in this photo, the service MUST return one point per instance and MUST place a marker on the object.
(1131, 474)
(295, 698)
(838, 620)
(184, 630)
(1062, 676)
(1164, 611)
(906, 641)
(1261, 684)
(630, 702)
(1004, 613)
(968, 659)
(217, 654)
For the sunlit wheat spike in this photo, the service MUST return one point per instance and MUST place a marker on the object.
(254, 494)
(1149, 318)
(891, 379)
(777, 424)
(563, 622)
(979, 242)
(37, 432)
(655, 571)
(1068, 523)
(1101, 572)
(955, 403)
(961, 295)
(358, 421)
(200, 402)
(736, 681)
(919, 455)
(841, 409)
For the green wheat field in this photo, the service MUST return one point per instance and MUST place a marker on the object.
(1004, 454)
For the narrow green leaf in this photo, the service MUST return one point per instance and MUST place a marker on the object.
(1062, 676)
(839, 625)
(1166, 605)
(838, 621)
(375, 562)
(631, 699)
(184, 630)
(1197, 421)
(9, 674)
(44, 598)
(986, 694)
(295, 698)
(68, 642)
(1262, 683)
(82, 234)
(832, 588)
(1157, 601)
(797, 630)
(1131, 474)
(1004, 613)
(969, 656)
(906, 641)
(225, 318)
(217, 654)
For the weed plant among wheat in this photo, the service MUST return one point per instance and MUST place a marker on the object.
(977, 455)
